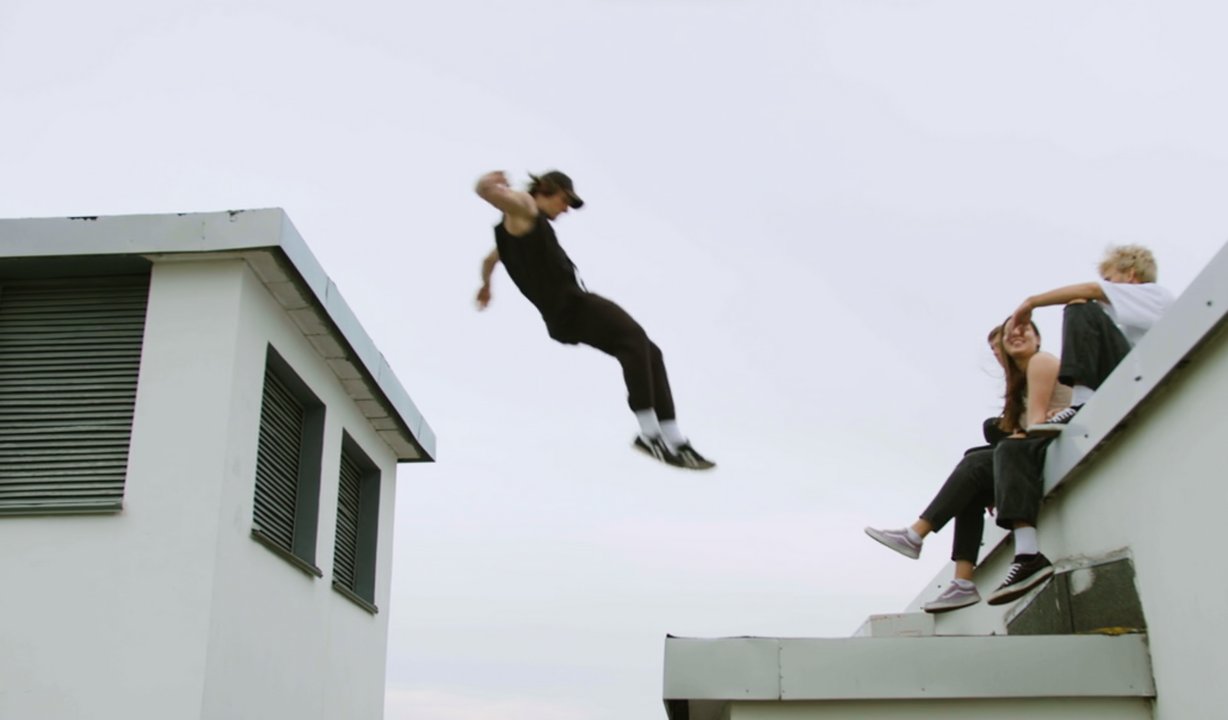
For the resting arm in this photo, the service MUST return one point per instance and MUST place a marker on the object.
(1042, 379)
(488, 269)
(1060, 296)
(493, 188)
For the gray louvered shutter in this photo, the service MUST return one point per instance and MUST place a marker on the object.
(349, 501)
(70, 353)
(277, 462)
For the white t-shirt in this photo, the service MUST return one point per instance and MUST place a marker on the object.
(1134, 308)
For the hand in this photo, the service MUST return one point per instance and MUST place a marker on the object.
(493, 179)
(483, 298)
(1022, 315)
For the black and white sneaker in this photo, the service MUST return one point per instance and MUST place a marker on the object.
(1054, 425)
(655, 448)
(692, 460)
(1026, 572)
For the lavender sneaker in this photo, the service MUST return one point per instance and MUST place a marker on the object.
(897, 540)
(953, 598)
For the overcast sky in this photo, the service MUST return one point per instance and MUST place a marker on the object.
(818, 209)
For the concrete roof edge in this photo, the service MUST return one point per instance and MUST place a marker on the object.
(218, 232)
(988, 667)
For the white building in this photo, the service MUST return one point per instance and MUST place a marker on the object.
(1133, 624)
(198, 455)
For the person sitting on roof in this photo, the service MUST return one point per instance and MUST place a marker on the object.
(1102, 322)
(1032, 392)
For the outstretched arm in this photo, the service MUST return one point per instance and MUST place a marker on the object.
(1061, 296)
(488, 269)
(493, 188)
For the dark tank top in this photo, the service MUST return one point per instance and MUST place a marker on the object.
(543, 273)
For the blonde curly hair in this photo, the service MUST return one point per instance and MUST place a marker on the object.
(1124, 258)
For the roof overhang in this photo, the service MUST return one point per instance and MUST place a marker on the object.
(273, 248)
(703, 675)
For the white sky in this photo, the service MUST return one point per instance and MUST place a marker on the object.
(817, 208)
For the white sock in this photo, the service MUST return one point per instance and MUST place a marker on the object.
(1080, 394)
(1026, 542)
(965, 584)
(649, 427)
(912, 535)
(672, 435)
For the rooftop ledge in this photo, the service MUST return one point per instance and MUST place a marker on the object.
(276, 252)
(702, 675)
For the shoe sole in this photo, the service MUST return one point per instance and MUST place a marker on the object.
(1045, 431)
(884, 541)
(1016, 591)
(663, 461)
(949, 608)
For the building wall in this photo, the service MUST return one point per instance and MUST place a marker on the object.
(1019, 709)
(283, 643)
(108, 617)
(169, 609)
(1156, 492)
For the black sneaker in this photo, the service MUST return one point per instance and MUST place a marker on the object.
(656, 449)
(1054, 425)
(1026, 572)
(692, 460)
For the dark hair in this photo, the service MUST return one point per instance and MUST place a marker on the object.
(1016, 383)
(545, 185)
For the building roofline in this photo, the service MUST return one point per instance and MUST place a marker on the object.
(707, 673)
(278, 254)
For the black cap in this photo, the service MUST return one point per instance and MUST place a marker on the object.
(564, 183)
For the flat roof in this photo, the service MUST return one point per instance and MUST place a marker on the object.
(282, 260)
(703, 675)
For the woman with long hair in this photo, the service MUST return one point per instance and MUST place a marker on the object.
(1032, 394)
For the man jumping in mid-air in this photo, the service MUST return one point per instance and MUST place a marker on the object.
(526, 244)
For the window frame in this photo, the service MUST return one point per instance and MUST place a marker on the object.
(366, 549)
(301, 551)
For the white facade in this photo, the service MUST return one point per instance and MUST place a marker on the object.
(170, 609)
(1137, 476)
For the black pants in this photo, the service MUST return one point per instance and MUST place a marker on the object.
(964, 497)
(1092, 346)
(1019, 479)
(600, 323)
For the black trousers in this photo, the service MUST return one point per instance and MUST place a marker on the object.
(1019, 479)
(597, 322)
(1092, 346)
(964, 497)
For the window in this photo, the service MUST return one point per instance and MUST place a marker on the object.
(288, 465)
(70, 353)
(357, 525)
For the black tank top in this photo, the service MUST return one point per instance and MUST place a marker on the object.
(541, 270)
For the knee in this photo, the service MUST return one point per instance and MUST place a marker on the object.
(1077, 301)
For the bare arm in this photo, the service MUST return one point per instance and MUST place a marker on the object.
(493, 188)
(1042, 379)
(1060, 296)
(488, 269)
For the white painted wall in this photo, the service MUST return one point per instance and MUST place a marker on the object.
(283, 643)
(169, 609)
(1029, 709)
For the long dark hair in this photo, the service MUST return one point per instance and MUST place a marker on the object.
(1016, 383)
